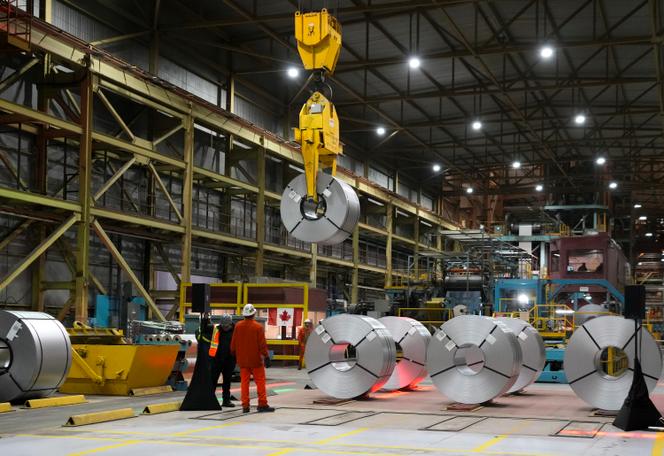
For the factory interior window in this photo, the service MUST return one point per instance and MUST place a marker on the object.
(585, 260)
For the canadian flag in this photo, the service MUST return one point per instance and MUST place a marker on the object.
(285, 316)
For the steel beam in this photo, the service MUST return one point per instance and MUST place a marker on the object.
(165, 191)
(38, 251)
(187, 187)
(113, 179)
(260, 211)
(106, 240)
(389, 212)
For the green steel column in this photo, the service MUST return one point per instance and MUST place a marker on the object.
(389, 222)
(81, 294)
(313, 266)
(188, 182)
(260, 210)
(356, 262)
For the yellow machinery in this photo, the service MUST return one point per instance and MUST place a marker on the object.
(103, 363)
(318, 36)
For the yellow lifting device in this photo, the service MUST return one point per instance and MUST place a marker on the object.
(318, 36)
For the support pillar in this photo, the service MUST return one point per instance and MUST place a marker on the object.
(313, 266)
(260, 211)
(416, 249)
(81, 292)
(354, 289)
(389, 222)
(188, 182)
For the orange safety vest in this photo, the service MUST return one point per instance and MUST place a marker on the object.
(214, 344)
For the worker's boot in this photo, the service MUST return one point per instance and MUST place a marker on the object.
(227, 403)
(246, 409)
(265, 409)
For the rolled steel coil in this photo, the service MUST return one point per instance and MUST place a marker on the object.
(350, 355)
(586, 367)
(35, 355)
(473, 359)
(328, 222)
(412, 337)
(533, 352)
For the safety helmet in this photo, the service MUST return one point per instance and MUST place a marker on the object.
(249, 310)
(226, 320)
(307, 321)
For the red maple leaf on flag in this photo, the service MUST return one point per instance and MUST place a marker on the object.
(285, 316)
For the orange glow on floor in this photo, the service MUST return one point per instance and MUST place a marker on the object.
(621, 435)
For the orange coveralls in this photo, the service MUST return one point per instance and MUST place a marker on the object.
(249, 347)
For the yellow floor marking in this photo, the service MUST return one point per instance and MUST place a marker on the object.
(284, 451)
(209, 428)
(658, 446)
(340, 436)
(105, 448)
(489, 443)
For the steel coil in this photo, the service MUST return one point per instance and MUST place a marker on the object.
(35, 355)
(602, 382)
(350, 355)
(533, 352)
(331, 221)
(412, 337)
(473, 359)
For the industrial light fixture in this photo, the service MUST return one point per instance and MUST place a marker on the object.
(643, 217)
(414, 63)
(523, 298)
(546, 52)
(637, 206)
(516, 164)
(648, 234)
(380, 131)
(426, 224)
(293, 72)
(580, 119)
(662, 260)
(613, 185)
(436, 168)
(469, 190)
(477, 125)
(539, 187)
(600, 160)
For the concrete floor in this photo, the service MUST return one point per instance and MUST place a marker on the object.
(548, 420)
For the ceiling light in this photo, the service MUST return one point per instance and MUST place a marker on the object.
(580, 119)
(414, 63)
(380, 131)
(516, 164)
(477, 125)
(469, 190)
(293, 72)
(546, 52)
(613, 185)
(436, 168)
(662, 259)
(600, 160)
(648, 234)
(523, 298)
(539, 187)
(637, 206)
(643, 217)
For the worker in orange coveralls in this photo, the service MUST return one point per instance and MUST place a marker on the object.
(302, 338)
(249, 347)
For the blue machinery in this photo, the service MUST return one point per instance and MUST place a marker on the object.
(528, 292)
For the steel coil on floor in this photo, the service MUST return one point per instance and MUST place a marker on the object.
(348, 356)
(586, 362)
(533, 352)
(413, 338)
(35, 355)
(473, 359)
(331, 221)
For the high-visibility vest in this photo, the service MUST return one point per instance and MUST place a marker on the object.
(214, 344)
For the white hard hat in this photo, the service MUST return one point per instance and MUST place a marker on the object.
(249, 310)
(308, 320)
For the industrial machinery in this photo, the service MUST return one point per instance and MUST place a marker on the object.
(318, 207)
(104, 363)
